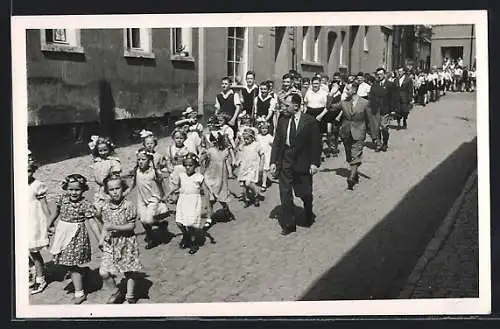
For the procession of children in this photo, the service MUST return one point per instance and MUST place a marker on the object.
(192, 172)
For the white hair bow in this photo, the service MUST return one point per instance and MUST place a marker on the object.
(145, 133)
(261, 119)
(93, 142)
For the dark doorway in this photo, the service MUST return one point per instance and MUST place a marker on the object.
(452, 52)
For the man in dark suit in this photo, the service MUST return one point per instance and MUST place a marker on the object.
(353, 129)
(382, 99)
(295, 157)
(405, 84)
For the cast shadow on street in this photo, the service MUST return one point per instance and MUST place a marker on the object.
(298, 213)
(343, 172)
(92, 282)
(379, 265)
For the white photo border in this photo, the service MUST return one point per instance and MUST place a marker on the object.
(400, 307)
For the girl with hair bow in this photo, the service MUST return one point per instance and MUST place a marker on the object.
(104, 164)
(150, 142)
(150, 195)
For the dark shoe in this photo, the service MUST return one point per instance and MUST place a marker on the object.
(350, 184)
(38, 288)
(309, 221)
(288, 230)
(184, 243)
(405, 125)
(384, 148)
(256, 202)
(194, 250)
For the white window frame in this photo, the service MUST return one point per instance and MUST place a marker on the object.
(305, 43)
(144, 50)
(341, 50)
(317, 32)
(186, 40)
(245, 57)
(72, 44)
(365, 39)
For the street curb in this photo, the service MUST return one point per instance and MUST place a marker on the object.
(439, 238)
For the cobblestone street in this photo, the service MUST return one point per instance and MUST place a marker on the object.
(363, 245)
(453, 271)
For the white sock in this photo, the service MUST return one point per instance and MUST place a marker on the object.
(40, 279)
(78, 294)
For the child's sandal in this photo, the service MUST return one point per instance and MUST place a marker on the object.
(132, 300)
(194, 250)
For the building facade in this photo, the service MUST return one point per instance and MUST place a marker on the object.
(412, 46)
(105, 78)
(453, 42)
(370, 47)
(77, 76)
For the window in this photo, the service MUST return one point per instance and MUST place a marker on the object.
(137, 43)
(61, 40)
(237, 53)
(341, 51)
(365, 40)
(181, 45)
(305, 50)
(317, 31)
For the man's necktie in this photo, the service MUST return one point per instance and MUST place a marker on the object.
(293, 131)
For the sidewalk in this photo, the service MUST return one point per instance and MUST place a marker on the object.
(449, 266)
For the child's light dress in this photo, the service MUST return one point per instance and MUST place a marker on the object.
(266, 142)
(38, 237)
(101, 168)
(216, 174)
(149, 195)
(249, 159)
(189, 205)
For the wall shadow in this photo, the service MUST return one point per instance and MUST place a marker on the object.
(379, 265)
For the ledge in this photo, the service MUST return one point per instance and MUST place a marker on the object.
(308, 63)
(182, 58)
(62, 48)
(138, 54)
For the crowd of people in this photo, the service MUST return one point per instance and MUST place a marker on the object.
(257, 136)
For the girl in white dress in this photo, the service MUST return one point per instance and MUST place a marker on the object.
(190, 185)
(249, 157)
(265, 140)
(39, 214)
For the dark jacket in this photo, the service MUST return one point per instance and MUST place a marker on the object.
(307, 149)
(384, 99)
(405, 94)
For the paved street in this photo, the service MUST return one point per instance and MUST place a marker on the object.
(453, 270)
(363, 245)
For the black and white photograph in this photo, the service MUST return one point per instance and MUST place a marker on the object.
(251, 164)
